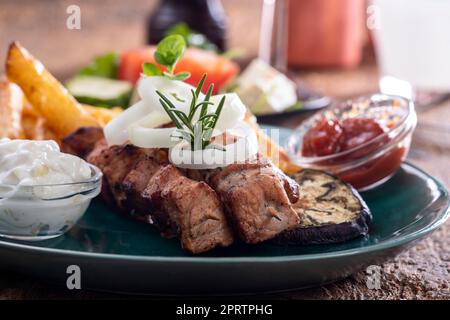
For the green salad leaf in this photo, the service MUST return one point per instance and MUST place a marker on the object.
(181, 29)
(191, 37)
(297, 106)
(104, 66)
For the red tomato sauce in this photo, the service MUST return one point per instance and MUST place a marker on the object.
(374, 170)
(331, 137)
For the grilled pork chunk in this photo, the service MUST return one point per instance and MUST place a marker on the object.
(188, 208)
(136, 181)
(116, 162)
(257, 198)
(290, 185)
(82, 141)
(88, 143)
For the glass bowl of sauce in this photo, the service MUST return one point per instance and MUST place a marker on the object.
(43, 191)
(362, 141)
(41, 212)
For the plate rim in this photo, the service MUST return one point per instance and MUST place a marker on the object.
(443, 203)
(326, 102)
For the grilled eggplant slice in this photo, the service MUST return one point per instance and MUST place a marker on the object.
(330, 211)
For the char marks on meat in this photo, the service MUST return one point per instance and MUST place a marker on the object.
(116, 162)
(257, 198)
(136, 181)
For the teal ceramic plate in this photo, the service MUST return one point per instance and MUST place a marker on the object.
(117, 254)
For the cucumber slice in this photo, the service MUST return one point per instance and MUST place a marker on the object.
(100, 92)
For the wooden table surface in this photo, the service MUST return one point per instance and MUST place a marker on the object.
(421, 272)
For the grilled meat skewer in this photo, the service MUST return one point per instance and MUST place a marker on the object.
(171, 199)
(257, 197)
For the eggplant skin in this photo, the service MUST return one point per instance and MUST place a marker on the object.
(323, 233)
(330, 233)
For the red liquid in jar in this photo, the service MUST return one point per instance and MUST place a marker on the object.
(331, 137)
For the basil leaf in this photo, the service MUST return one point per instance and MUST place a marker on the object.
(161, 59)
(167, 54)
(168, 75)
(104, 66)
(150, 69)
(169, 50)
(181, 76)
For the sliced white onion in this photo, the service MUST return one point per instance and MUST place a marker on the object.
(244, 149)
(242, 129)
(154, 119)
(116, 131)
(139, 124)
(178, 92)
(233, 111)
(152, 138)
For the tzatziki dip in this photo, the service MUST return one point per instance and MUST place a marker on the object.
(43, 191)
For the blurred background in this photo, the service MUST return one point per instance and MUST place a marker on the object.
(106, 25)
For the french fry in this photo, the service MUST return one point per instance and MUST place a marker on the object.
(11, 104)
(270, 149)
(102, 115)
(63, 114)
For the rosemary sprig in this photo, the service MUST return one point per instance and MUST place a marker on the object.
(197, 132)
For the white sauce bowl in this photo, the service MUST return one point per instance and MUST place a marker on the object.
(27, 214)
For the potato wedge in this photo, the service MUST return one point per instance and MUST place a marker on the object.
(11, 104)
(35, 126)
(63, 114)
